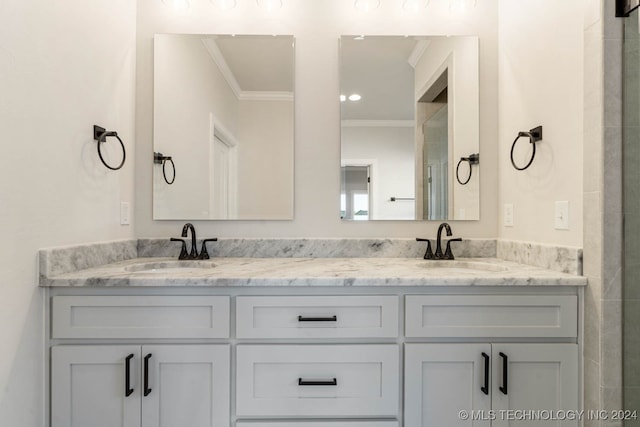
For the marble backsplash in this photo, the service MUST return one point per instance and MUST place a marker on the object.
(558, 258)
(318, 248)
(54, 261)
(60, 260)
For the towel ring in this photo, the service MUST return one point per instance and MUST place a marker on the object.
(160, 159)
(473, 159)
(100, 135)
(534, 136)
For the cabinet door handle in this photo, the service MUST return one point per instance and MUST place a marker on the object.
(147, 390)
(318, 319)
(505, 373)
(128, 391)
(485, 387)
(333, 381)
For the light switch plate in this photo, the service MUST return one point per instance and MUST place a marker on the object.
(562, 215)
(508, 215)
(124, 213)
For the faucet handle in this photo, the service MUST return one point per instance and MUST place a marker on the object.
(447, 253)
(183, 252)
(429, 253)
(203, 252)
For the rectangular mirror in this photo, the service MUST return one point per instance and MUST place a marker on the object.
(223, 127)
(409, 128)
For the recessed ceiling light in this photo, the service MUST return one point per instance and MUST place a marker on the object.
(414, 5)
(461, 6)
(366, 5)
(177, 5)
(355, 97)
(270, 5)
(225, 4)
(343, 98)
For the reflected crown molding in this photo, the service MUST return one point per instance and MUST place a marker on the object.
(212, 47)
(218, 58)
(265, 96)
(377, 123)
(418, 51)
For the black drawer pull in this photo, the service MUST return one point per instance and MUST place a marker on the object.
(485, 387)
(333, 381)
(505, 373)
(147, 390)
(128, 391)
(318, 319)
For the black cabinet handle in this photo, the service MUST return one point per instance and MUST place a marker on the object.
(147, 390)
(318, 319)
(505, 373)
(485, 388)
(128, 391)
(333, 381)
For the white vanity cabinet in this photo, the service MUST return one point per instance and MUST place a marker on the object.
(133, 385)
(491, 383)
(143, 384)
(302, 373)
(366, 356)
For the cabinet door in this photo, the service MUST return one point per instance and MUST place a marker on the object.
(534, 381)
(88, 386)
(441, 380)
(185, 385)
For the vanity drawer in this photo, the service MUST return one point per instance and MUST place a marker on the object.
(522, 316)
(140, 317)
(317, 317)
(319, 424)
(317, 380)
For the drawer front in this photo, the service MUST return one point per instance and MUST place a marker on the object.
(140, 317)
(317, 317)
(319, 424)
(317, 380)
(525, 316)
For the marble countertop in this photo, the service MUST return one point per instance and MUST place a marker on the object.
(156, 271)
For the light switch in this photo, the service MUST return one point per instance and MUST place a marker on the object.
(562, 215)
(124, 213)
(508, 215)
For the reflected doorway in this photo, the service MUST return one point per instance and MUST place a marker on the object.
(433, 146)
(355, 200)
(223, 175)
(435, 151)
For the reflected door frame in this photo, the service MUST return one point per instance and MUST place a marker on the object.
(372, 164)
(441, 79)
(222, 204)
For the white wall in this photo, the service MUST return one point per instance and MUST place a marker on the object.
(393, 173)
(317, 26)
(64, 66)
(541, 83)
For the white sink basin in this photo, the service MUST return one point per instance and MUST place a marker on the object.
(462, 266)
(167, 267)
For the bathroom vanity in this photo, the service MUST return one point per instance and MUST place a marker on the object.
(336, 342)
